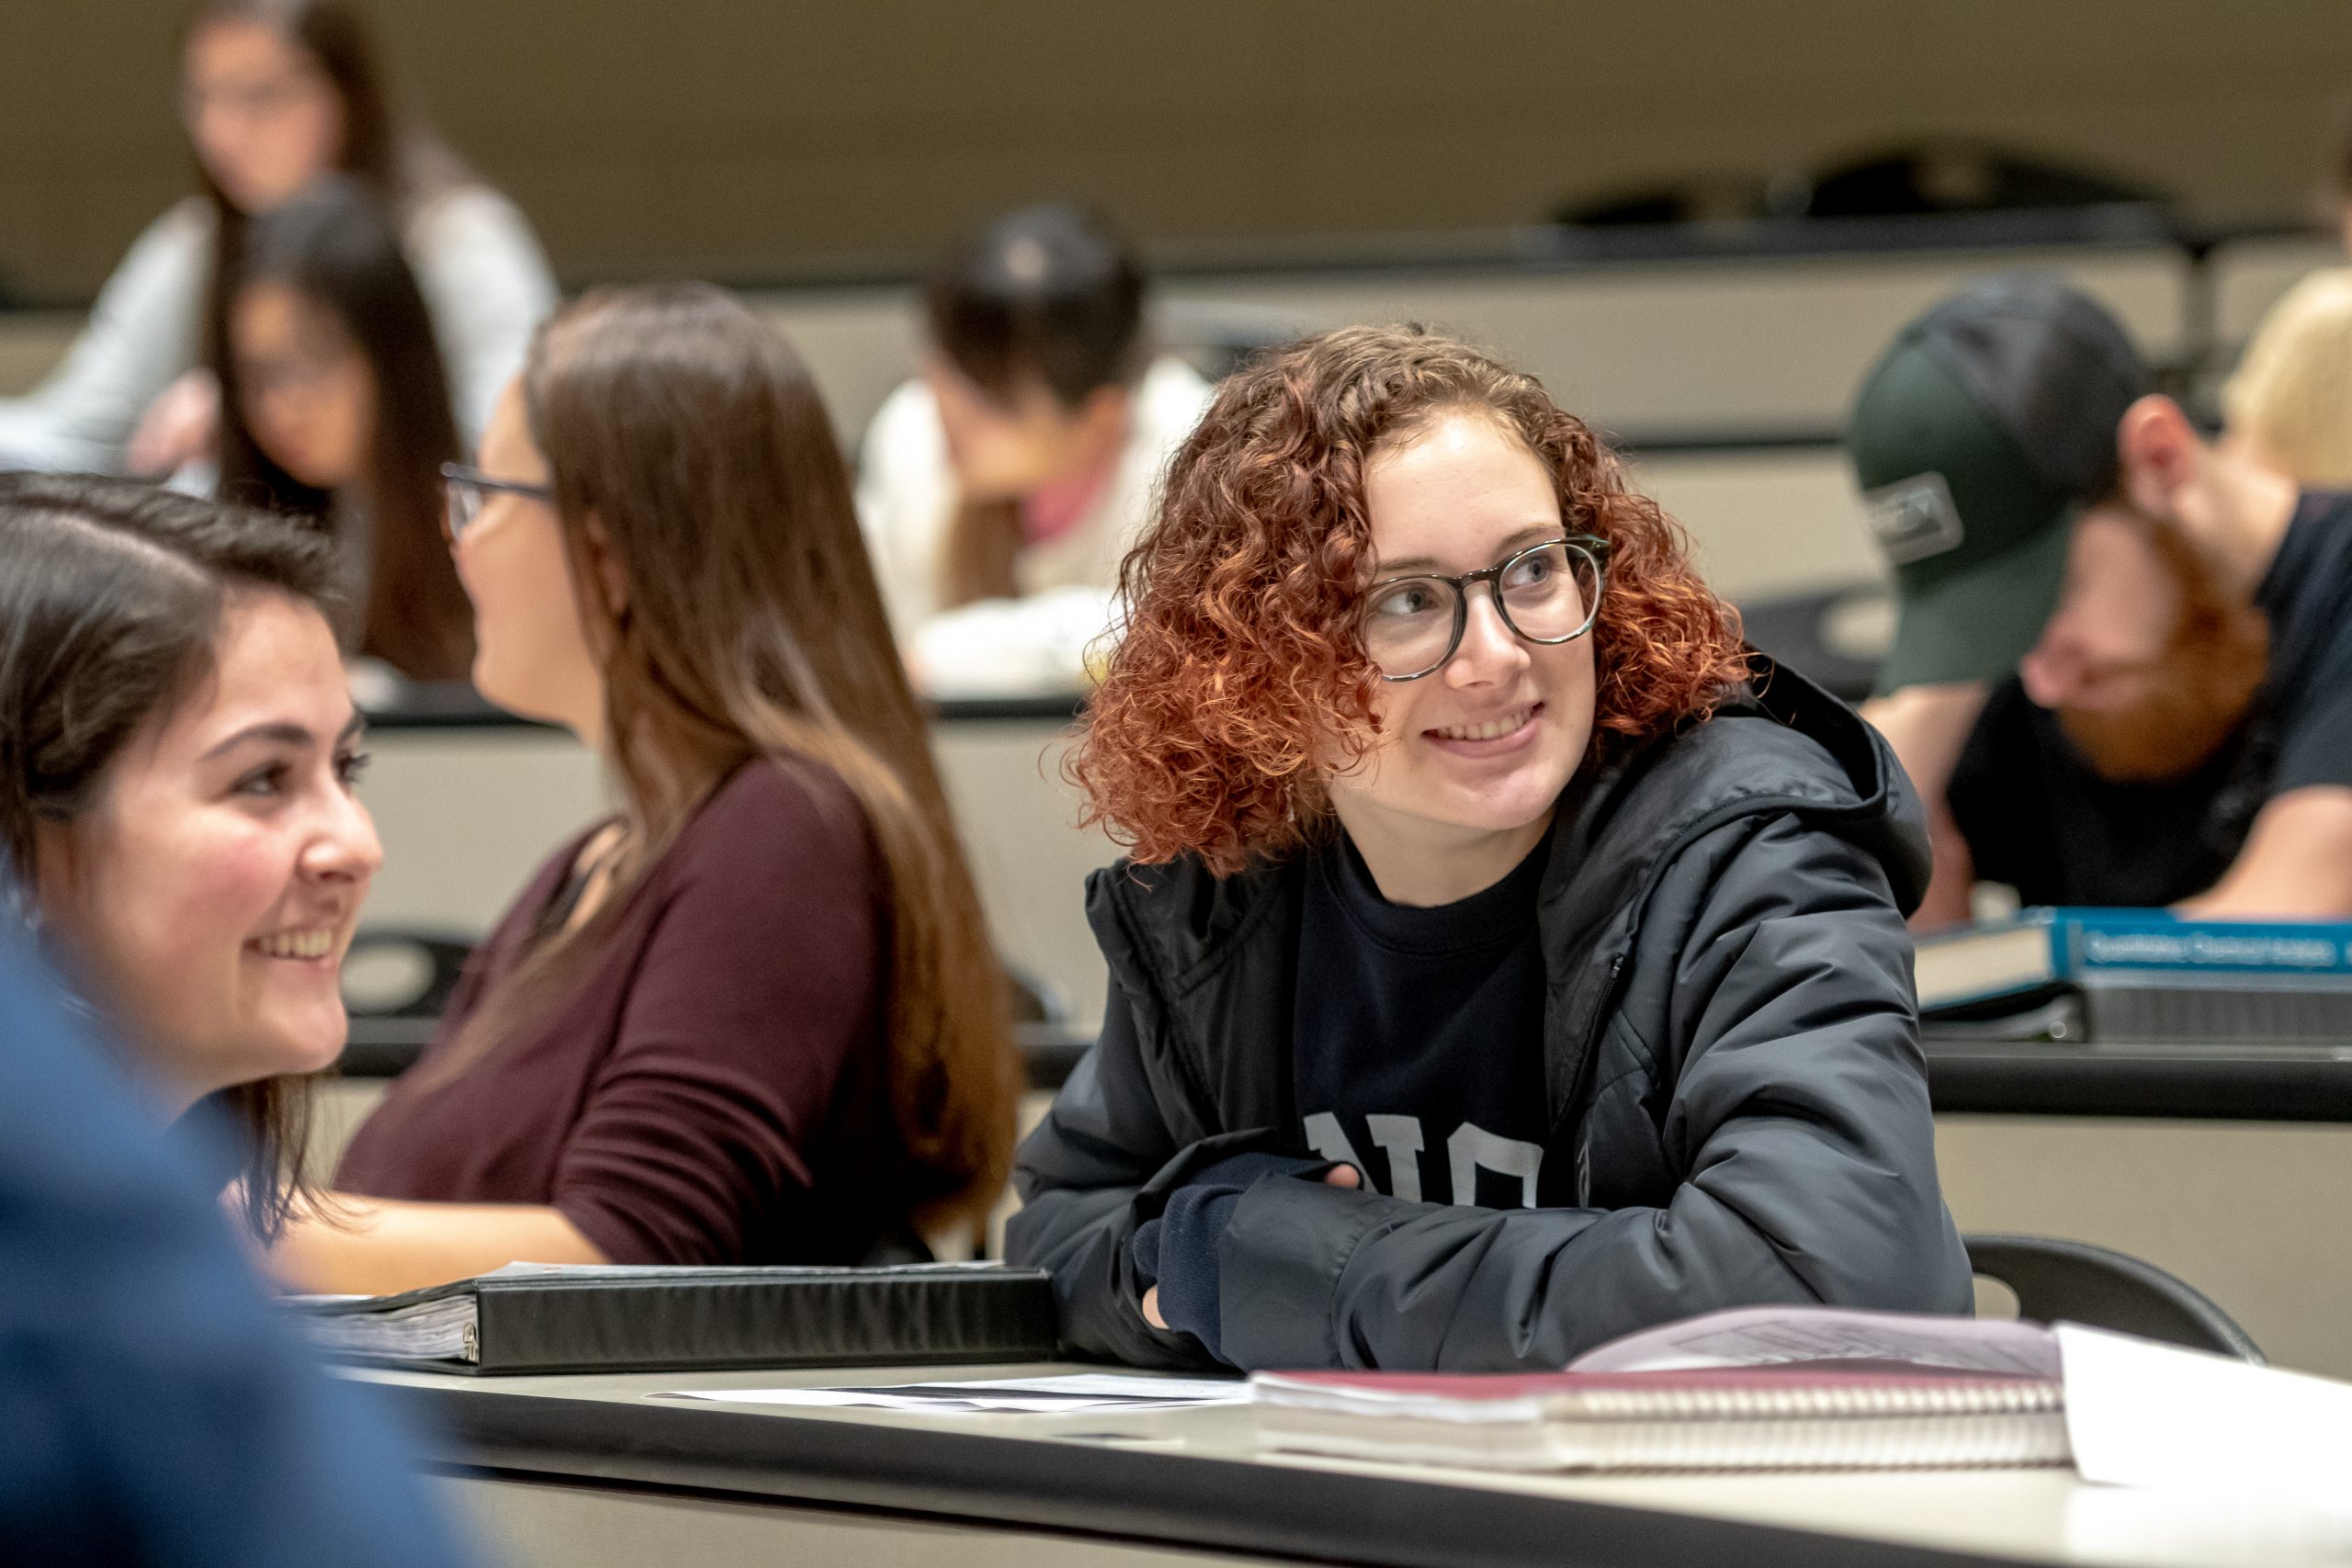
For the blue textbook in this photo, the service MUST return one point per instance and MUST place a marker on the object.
(2147, 974)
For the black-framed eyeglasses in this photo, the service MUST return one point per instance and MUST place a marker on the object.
(1547, 593)
(465, 492)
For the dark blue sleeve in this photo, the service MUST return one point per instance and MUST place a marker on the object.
(1178, 1251)
(152, 1409)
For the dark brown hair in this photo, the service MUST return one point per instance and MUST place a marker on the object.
(1046, 296)
(336, 246)
(1240, 663)
(112, 595)
(396, 156)
(687, 435)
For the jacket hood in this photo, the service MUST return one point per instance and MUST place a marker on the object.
(1785, 745)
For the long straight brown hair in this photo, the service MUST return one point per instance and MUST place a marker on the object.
(394, 155)
(336, 245)
(686, 440)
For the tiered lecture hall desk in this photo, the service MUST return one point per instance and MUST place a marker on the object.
(2227, 1167)
(1727, 360)
(599, 1471)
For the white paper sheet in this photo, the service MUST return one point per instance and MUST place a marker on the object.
(1758, 1336)
(2142, 1414)
(1016, 1396)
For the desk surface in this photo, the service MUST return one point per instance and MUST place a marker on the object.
(1194, 1479)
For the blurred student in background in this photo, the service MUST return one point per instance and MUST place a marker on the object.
(2289, 404)
(2122, 674)
(275, 92)
(1460, 835)
(177, 754)
(335, 408)
(756, 1018)
(999, 491)
(2336, 192)
(157, 1417)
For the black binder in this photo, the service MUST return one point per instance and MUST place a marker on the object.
(534, 1318)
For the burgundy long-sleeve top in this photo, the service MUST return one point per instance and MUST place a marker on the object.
(714, 1089)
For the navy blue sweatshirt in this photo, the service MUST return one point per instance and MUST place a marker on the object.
(1416, 1056)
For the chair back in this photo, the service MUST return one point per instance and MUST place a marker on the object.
(2101, 1288)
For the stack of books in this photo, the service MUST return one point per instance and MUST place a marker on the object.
(1823, 1388)
(2140, 977)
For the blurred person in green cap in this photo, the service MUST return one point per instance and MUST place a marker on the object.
(2123, 669)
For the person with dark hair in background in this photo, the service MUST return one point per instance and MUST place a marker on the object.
(340, 412)
(275, 92)
(177, 757)
(157, 1416)
(1505, 960)
(2122, 670)
(756, 1018)
(1000, 489)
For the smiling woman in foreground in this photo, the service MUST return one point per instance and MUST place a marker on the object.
(177, 751)
(1506, 960)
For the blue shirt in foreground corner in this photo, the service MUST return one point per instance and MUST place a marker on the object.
(151, 1411)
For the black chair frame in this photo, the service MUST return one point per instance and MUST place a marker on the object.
(2100, 1288)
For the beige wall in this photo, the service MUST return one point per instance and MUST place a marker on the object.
(738, 138)
(2246, 1212)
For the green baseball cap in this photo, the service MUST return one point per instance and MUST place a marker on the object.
(1983, 430)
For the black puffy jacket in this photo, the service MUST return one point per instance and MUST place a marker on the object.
(1739, 1103)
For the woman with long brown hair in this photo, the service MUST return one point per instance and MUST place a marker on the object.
(274, 94)
(1507, 960)
(755, 1017)
(342, 417)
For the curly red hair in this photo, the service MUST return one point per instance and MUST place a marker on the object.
(1239, 669)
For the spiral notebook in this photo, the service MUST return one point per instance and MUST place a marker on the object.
(1785, 1417)
(1775, 1388)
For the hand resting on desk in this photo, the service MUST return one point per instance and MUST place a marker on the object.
(1338, 1176)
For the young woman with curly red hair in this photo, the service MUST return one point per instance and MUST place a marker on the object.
(1507, 959)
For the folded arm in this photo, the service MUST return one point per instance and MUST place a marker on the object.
(141, 334)
(345, 1245)
(1797, 1122)
(1098, 1166)
(2296, 862)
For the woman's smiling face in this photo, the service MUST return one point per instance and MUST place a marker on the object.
(1473, 756)
(211, 889)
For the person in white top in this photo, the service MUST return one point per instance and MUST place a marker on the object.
(1000, 489)
(275, 92)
